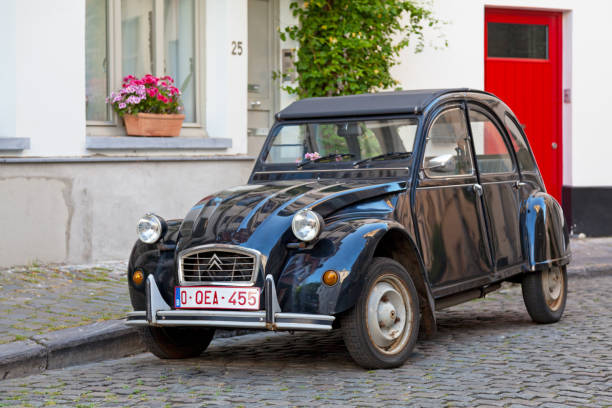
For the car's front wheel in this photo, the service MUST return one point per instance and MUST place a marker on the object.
(382, 329)
(545, 293)
(176, 342)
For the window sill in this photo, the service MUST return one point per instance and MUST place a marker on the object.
(14, 144)
(156, 143)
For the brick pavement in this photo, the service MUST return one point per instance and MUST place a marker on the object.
(41, 298)
(487, 353)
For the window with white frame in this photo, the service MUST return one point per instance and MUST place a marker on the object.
(137, 37)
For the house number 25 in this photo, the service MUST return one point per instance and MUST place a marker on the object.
(236, 47)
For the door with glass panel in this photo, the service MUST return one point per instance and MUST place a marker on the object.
(262, 93)
(523, 56)
(454, 241)
(500, 182)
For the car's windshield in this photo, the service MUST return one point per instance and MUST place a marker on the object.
(342, 141)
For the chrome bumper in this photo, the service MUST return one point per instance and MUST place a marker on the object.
(159, 313)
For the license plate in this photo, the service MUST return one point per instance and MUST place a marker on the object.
(215, 297)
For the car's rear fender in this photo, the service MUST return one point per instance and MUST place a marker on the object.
(346, 246)
(544, 231)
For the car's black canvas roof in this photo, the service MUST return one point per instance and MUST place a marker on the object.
(382, 103)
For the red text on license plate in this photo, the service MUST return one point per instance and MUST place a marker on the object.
(214, 297)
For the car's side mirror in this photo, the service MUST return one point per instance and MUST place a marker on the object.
(444, 163)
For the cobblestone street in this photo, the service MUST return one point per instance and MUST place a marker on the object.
(487, 352)
(41, 298)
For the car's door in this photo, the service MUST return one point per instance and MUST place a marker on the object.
(448, 207)
(500, 179)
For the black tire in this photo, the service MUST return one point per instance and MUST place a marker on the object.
(361, 343)
(545, 294)
(176, 342)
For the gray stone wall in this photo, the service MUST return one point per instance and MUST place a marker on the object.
(87, 211)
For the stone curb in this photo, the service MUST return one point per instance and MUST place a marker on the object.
(63, 348)
(589, 271)
(113, 339)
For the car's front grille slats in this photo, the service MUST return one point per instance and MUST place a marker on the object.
(217, 266)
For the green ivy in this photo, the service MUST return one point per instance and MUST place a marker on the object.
(349, 46)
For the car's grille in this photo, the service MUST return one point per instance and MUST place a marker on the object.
(212, 265)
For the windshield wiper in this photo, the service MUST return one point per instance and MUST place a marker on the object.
(322, 158)
(390, 155)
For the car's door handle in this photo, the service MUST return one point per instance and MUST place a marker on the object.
(477, 189)
(518, 184)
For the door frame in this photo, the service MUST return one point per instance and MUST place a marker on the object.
(273, 59)
(524, 14)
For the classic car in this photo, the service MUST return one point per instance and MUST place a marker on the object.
(364, 213)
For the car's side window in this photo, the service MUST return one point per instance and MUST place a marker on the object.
(448, 152)
(492, 154)
(524, 157)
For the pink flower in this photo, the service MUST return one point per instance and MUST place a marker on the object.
(168, 78)
(312, 156)
(150, 79)
(152, 92)
(122, 105)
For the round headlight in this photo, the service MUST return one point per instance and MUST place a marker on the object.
(306, 225)
(150, 228)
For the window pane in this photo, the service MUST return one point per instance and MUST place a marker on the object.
(137, 45)
(448, 152)
(517, 40)
(492, 154)
(179, 50)
(96, 61)
(525, 160)
(354, 140)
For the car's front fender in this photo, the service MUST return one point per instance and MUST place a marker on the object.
(157, 259)
(345, 246)
(545, 234)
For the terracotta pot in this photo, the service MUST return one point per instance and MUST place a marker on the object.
(153, 124)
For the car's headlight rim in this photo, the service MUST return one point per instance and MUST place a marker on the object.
(313, 218)
(150, 228)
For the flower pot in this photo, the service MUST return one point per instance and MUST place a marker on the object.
(153, 124)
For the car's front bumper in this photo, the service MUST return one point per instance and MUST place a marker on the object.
(159, 313)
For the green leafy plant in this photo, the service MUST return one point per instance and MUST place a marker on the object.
(349, 46)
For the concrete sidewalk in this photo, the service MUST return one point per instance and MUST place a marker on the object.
(60, 315)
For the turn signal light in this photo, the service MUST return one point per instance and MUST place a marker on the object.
(138, 277)
(330, 278)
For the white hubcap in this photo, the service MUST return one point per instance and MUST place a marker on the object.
(389, 317)
(552, 285)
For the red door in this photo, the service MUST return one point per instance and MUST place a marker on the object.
(523, 68)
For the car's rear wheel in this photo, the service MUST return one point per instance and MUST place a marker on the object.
(382, 329)
(176, 342)
(545, 293)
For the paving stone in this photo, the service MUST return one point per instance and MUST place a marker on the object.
(487, 353)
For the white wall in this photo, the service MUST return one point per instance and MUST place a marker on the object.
(227, 74)
(8, 28)
(44, 64)
(587, 60)
(50, 80)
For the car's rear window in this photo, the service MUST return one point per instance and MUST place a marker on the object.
(342, 141)
(524, 157)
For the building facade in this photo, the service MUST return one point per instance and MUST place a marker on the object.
(72, 185)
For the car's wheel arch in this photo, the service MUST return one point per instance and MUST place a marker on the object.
(397, 244)
(544, 231)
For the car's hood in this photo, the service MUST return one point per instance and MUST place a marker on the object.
(258, 216)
